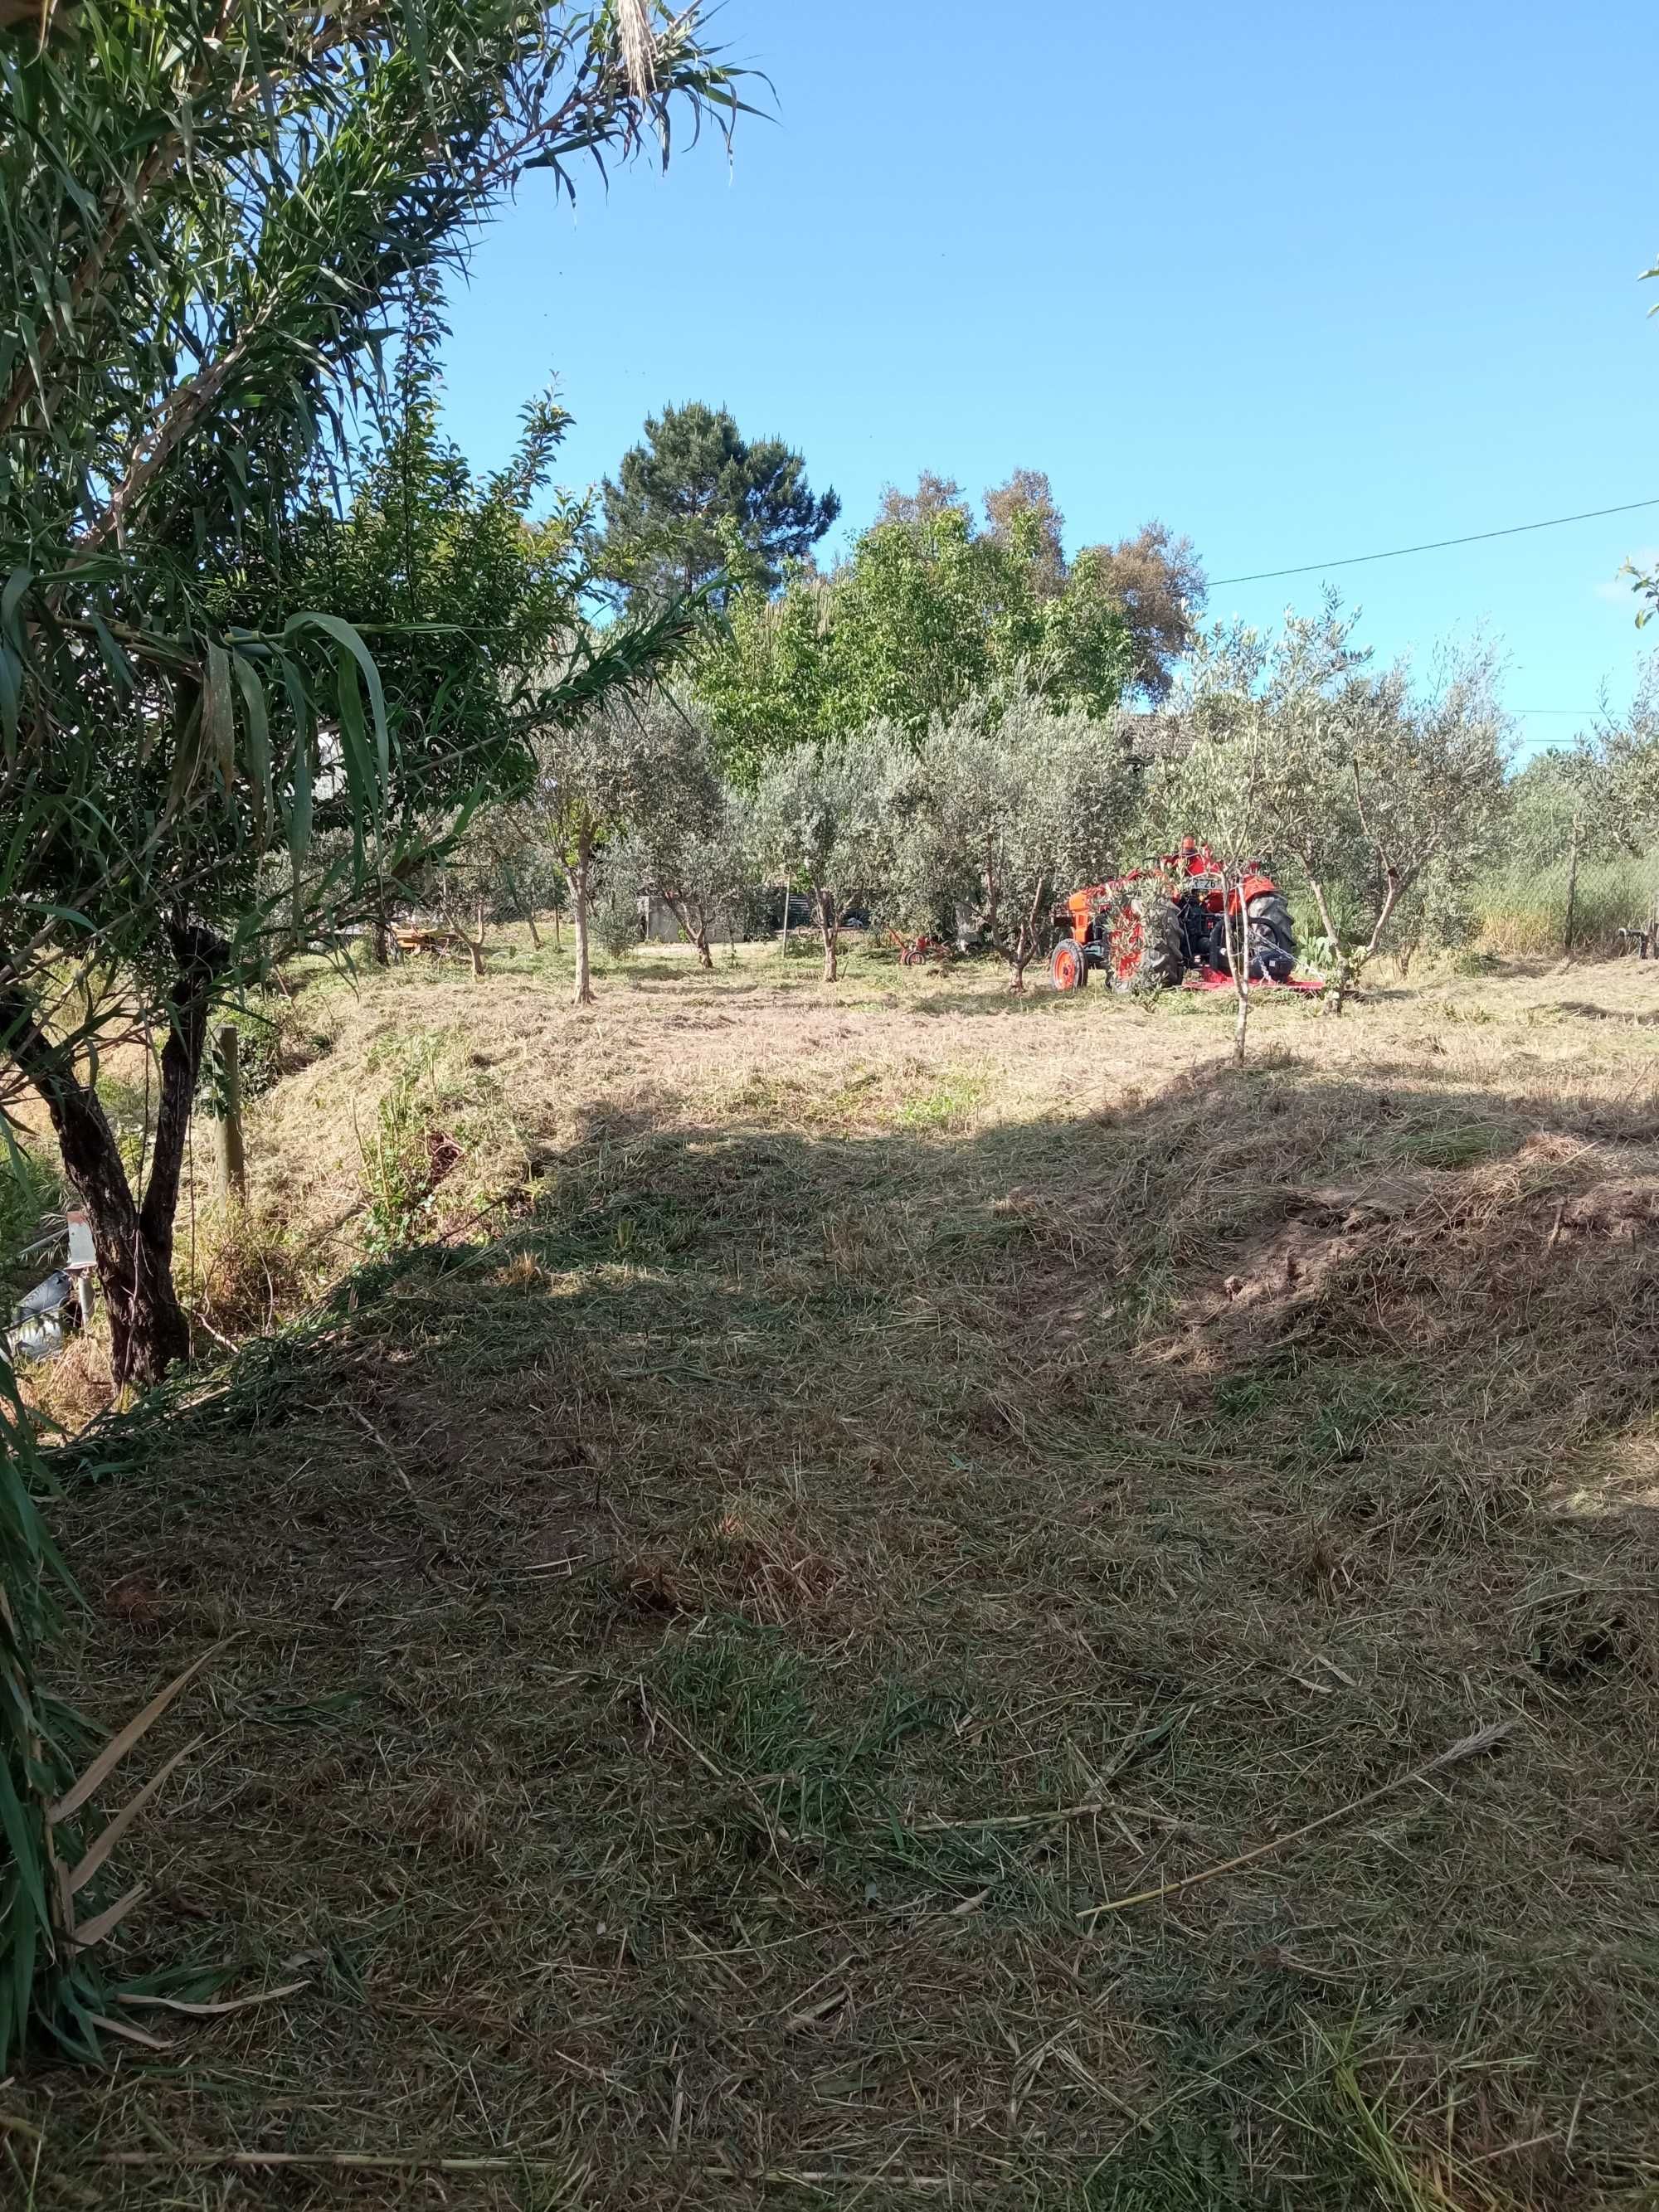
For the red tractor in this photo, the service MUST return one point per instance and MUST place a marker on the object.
(1147, 928)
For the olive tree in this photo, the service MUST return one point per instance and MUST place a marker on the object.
(1230, 782)
(1384, 790)
(1265, 770)
(821, 818)
(1428, 766)
(1004, 810)
(696, 860)
(626, 769)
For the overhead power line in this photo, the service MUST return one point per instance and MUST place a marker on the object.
(1434, 545)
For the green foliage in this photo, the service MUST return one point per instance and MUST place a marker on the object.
(30, 1189)
(766, 679)
(695, 498)
(823, 821)
(190, 302)
(699, 859)
(459, 592)
(1387, 792)
(926, 617)
(926, 614)
(31, 1924)
(616, 904)
(999, 815)
(396, 1160)
(1155, 580)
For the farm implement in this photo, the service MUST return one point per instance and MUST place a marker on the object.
(916, 951)
(1182, 915)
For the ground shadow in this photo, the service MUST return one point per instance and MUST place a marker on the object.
(699, 1660)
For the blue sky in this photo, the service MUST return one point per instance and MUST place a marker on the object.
(1300, 281)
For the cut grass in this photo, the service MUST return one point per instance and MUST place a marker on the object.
(700, 1656)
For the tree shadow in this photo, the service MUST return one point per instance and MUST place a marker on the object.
(1582, 1010)
(724, 1590)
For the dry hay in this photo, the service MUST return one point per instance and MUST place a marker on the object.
(702, 1660)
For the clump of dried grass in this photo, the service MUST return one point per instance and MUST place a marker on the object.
(707, 1658)
(248, 1272)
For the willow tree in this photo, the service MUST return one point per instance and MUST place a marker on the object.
(217, 213)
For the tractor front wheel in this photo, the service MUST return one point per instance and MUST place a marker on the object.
(1068, 968)
(1143, 950)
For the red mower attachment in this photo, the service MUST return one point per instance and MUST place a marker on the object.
(1147, 930)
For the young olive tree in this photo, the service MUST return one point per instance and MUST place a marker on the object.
(1381, 790)
(821, 818)
(1268, 761)
(1228, 782)
(1598, 796)
(629, 767)
(1001, 813)
(1429, 773)
(697, 862)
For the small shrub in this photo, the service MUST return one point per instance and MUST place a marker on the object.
(251, 1274)
(616, 921)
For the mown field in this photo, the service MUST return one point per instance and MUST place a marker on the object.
(866, 1598)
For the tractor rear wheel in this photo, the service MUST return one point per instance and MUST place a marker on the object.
(1143, 950)
(1272, 938)
(1068, 970)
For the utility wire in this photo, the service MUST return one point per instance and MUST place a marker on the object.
(1435, 545)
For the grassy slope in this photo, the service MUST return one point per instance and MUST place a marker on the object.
(916, 1468)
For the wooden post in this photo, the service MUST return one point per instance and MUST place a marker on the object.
(230, 1163)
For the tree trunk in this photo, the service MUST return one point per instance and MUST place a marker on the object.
(783, 934)
(535, 934)
(1572, 884)
(828, 930)
(1391, 889)
(558, 941)
(134, 1242)
(579, 894)
(1239, 961)
(693, 919)
(1334, 1003)
(379, 951)
(230, 1161)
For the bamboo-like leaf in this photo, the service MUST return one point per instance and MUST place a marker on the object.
(258, 718)
(120, 1745)
(218, 718)
(11, 599)
(130, 2032)
(347, 638)
(100, 1850)
(11, 699)
(214, 2011)
(25, 1849)
(86, 1933)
